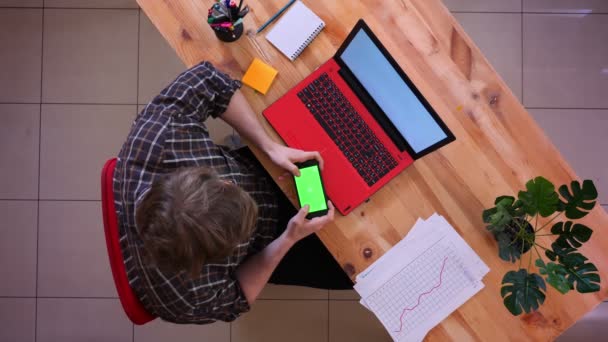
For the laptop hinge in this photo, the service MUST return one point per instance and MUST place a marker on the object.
(375, 110)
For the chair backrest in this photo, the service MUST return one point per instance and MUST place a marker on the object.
(130, 303)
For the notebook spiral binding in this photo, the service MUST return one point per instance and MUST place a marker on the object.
(307, 42)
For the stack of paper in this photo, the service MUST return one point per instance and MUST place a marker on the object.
(421, 280)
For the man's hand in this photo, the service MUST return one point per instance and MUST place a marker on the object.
(299, 227)
(286, 157)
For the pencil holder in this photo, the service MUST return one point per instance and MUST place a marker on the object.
(230, 35)
(226, 19)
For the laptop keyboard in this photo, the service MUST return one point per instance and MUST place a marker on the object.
(347, 129)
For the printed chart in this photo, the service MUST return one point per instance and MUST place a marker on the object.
(420, 289)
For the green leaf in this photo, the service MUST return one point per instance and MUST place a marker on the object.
(571, 236)
(503, 215)
(583, 274)
(540, 197)
(580, 198)
(501, 198)
(487, 213)
(556, 275)
(506, 209)
(522, 291)
(558, 251)
(507, 249)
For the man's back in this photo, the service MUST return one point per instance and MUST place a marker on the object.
(168, 135)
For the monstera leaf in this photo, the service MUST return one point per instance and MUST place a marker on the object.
(510, 247)
(580, 198)
(556, 275)
(583, 274)
(540, 197)
(522, 291)
(558, 251)
(506, 209)
(571, 235)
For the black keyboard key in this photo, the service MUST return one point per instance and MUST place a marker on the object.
(347, 129)
(307, 93)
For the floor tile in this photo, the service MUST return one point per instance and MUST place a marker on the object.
(20, 3)
(76, 142)
(272, 291)
(344, 295)
(77, 320)
(158, 62)
(484, 5)
(17, 317)
(592, 327)
(350, 321)
(161, 331)
(20, 56)
(19, 142)
(92, 3)
(18, 235)
(72, 255)
(568, 6)
(282, 320)
(581, 137)
(498, 35)
(90, 56)
(565, 61)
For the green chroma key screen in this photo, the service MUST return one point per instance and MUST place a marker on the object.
(310, 188)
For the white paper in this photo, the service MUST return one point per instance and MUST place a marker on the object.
(421, 280)
(394, 250)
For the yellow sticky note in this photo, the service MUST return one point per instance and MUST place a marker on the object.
(259, 76)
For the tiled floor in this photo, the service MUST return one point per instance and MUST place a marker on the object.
(72, 76)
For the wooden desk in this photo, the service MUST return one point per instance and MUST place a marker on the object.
(498, 148)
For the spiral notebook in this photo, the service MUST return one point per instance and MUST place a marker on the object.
(295, 30)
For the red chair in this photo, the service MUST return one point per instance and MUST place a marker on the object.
(130, 303)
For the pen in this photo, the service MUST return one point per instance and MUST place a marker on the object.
(274, 17)
(224, 25)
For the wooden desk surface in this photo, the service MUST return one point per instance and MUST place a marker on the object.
(498, 148)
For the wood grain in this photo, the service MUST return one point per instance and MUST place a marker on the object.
(498, 148)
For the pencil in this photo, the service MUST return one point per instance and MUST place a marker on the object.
(274, 17)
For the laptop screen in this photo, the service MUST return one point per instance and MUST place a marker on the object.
(391, 93)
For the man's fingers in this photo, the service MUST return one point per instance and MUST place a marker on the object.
(323, 220)
(317, 156)
(301, 215)
(293, 169)
(320, 159)
(331, 211)
(304, 156)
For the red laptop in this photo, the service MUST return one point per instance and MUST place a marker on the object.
(363, 114)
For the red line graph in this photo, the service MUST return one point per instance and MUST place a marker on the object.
(406, 310)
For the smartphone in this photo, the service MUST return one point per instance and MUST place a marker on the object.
(309, 187)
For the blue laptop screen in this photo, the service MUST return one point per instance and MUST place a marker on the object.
(391, 93)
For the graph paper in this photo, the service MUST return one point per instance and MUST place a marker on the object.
(423, 292)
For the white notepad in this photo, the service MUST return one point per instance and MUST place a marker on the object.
(295, 30)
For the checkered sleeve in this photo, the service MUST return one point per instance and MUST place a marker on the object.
(202, 91)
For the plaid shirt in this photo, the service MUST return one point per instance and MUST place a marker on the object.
(169, 134)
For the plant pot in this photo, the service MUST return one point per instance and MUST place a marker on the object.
(513, 228)
(230, 36)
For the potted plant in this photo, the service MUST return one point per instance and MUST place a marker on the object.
(514, 224)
